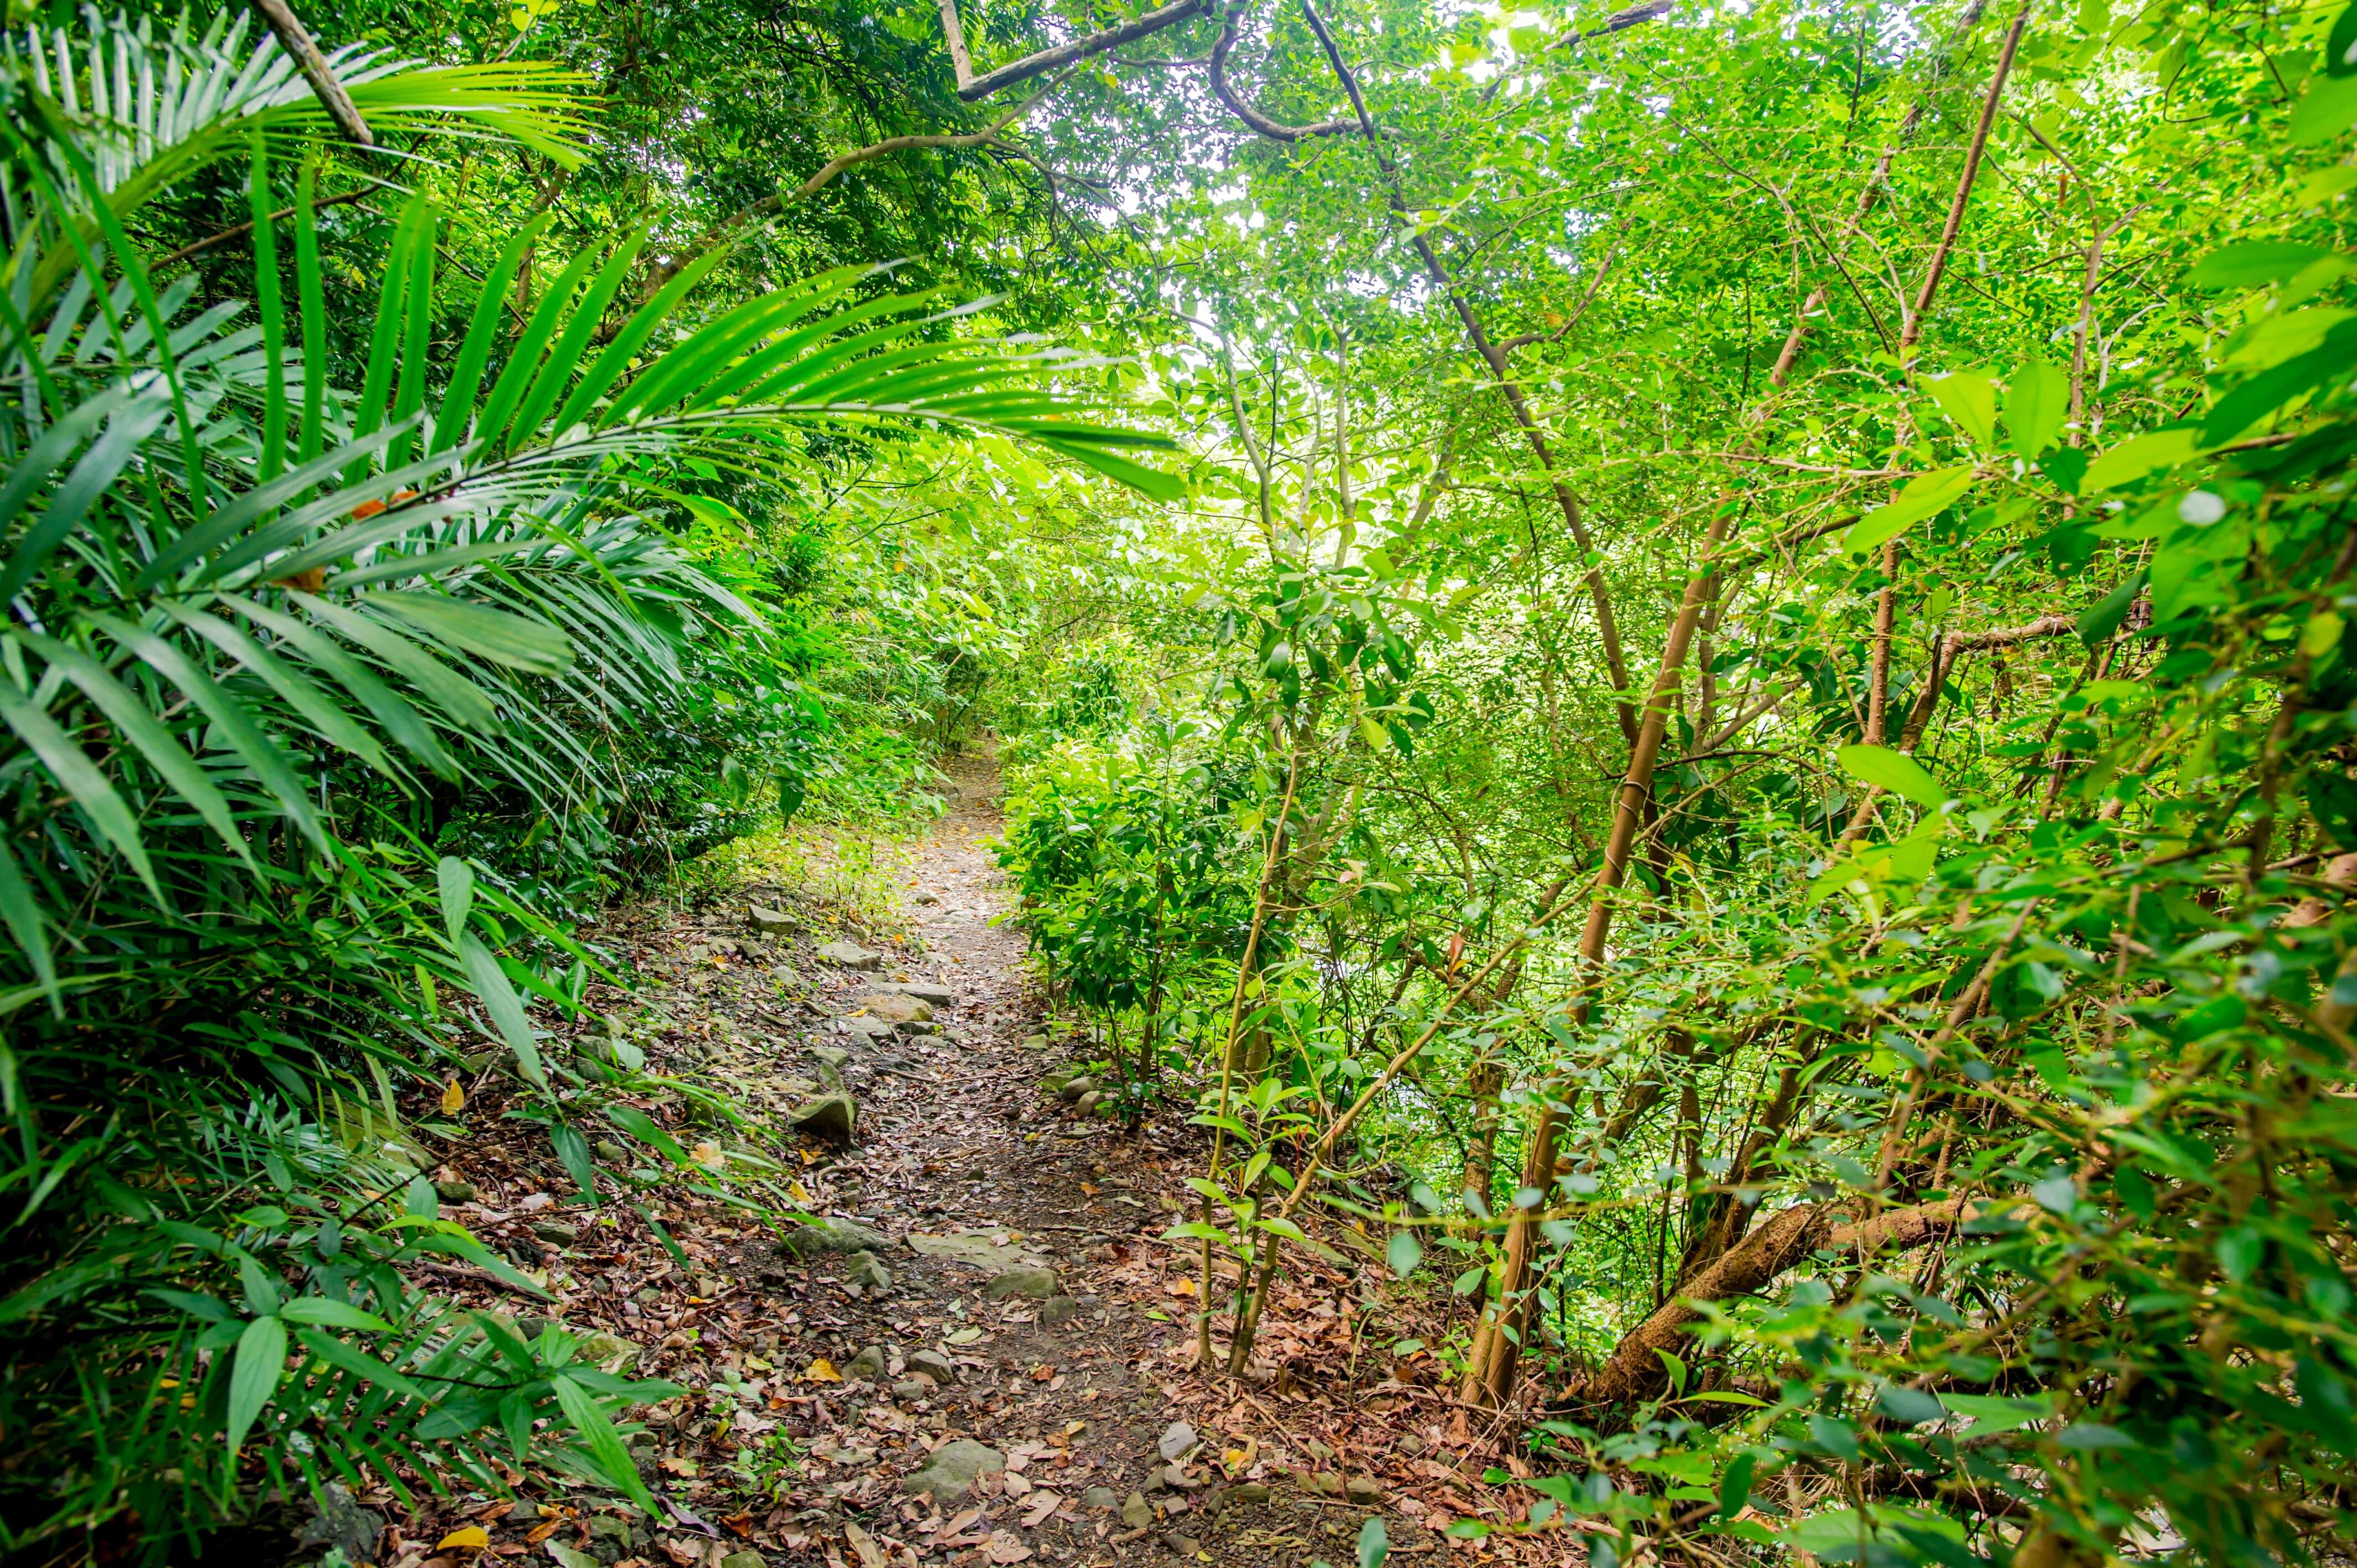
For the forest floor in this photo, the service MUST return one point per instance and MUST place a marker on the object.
(1030, 1352)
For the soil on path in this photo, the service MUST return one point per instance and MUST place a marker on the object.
(1032, 1307)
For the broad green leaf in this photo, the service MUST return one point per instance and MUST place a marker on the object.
(1992, 1414)
(72, 769)
(1892, 770)
(1402, 1252)
(2251, 264)
(319, 1310)
(573, 1152)
(2036, 405)
(253, 1380)
(2138, 456)
(1971, 402)
(1923, 496)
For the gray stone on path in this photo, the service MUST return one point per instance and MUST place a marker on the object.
(896, 1006)
(868, 1272)
(772, 922)
(1100, 1498)
(610, 1151)
(610, 1352)
(556, 1231)
(952, 1470)
(1136, 1512)
(931, 992)
(934, 1365)
(830, 1116)
(455, 1191)
(834, 1236)
(1073, 1088)
(830, 1062)
(871, 1030)
(849, 955)
(1036, 1283)
(867, 1365)
(1176, 1440)
(982, 1250)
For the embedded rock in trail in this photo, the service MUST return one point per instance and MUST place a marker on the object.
(1036, 1283)
(834, 1236)
(831, 1059)
(867, 1365)
(872, 1030)
(849, 955)
(953, 1469)
(984, 1251)
(1176, 1440)
(934, 1365)
(772, 922)
(929, 992)
(1137, 1513)
(898, 1007)
(868, 1272)
(830, 1116)
(1073, 1089)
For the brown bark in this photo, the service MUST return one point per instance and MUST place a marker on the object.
(1490, 1374)
(297, 41)
(1482, 1147)
(1634, 1370)
(1250, 116)
(973, 87)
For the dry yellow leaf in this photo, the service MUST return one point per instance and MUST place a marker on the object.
(800, 1193)
(821, 1371)
(707, 1155)
(454, 1099)
(1182, 1287)
(540, 1532)
(464, 1535)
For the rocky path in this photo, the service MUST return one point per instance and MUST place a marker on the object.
(975, 1352)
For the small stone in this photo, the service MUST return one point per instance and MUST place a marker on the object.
(849, 955)
(1057, 1308)
(1184, 1545)
(896, 1005)
(830, 1116)
(930, 992)
(915, 1388)
(455, 1191)
(934, 1365)
(1035, 1042)
(556, 1231)
(952, 1470)
(867, 1365)
(831, 1060)
(1412, 1444)
(609, 1352)
(612, 1153)
(1087, 1104)
(872, 1030)
(827, 1235)
(1073, 1088)
(1136, 1512)
(1100, 1498)
(1364, 1490)
(1318, 1450)
(1177, 1441)
(772, 922)
(868, 1272)
(1248, 1492)
(649, 1296)
(338, 1523)
(1036, 1283)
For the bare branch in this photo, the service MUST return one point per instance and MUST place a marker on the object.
(973, 87)
(1245, 111)
(299, 43)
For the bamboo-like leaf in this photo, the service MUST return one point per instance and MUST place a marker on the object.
(148, 737)
(254, 1380)
(333, 723)
(534, 647)
(258, 751)
(498, 409)
(491, 313)
(387, 707)
(564, 356)
(492, 987)
(72, 769)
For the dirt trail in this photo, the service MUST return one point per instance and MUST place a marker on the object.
(1032, 1307)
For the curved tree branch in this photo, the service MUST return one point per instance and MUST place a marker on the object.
(1245, 111)
(973, 87)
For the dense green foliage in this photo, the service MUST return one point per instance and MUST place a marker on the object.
(1743, 730)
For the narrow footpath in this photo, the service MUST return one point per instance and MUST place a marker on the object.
(975, 1352)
